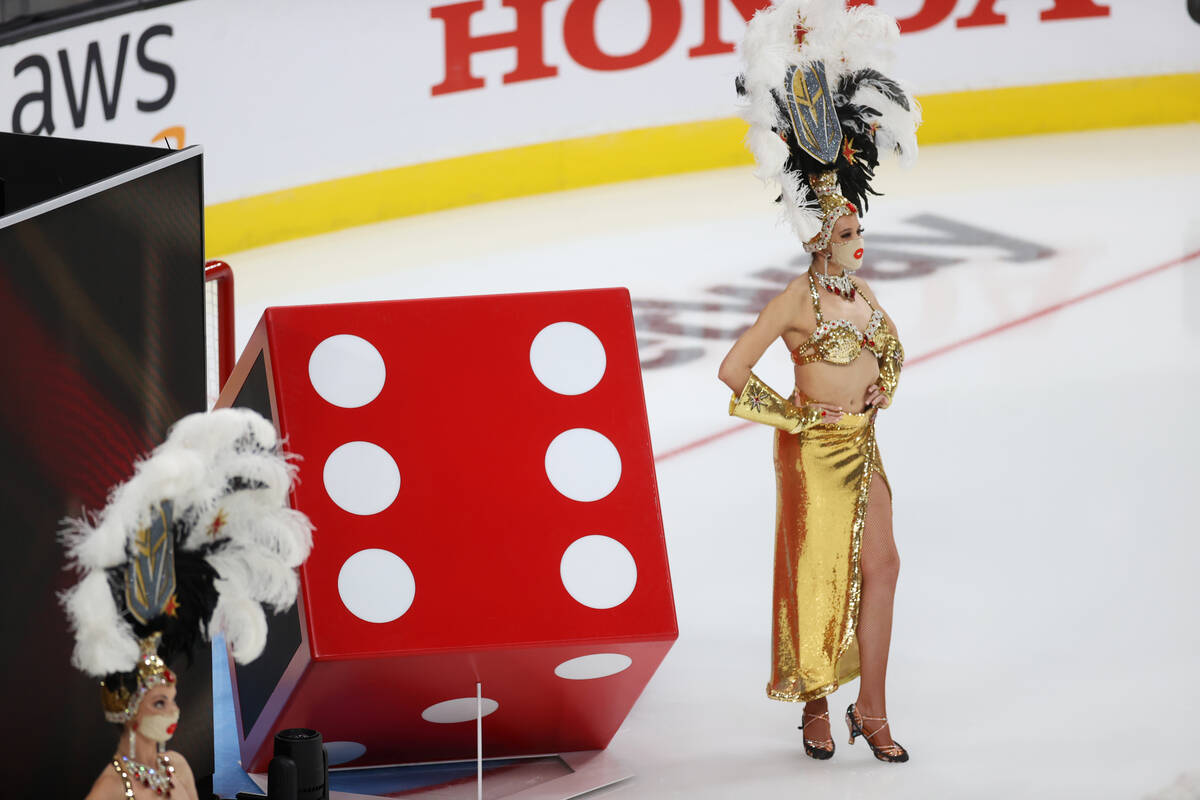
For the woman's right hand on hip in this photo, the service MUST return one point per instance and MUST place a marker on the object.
(829, 412)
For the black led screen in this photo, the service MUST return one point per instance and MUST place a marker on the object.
(102, 319)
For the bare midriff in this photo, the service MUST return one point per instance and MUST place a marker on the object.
(843, 385)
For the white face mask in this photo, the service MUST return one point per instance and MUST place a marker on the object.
(848, 255)
(158, 727)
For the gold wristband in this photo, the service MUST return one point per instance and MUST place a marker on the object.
(760, 403)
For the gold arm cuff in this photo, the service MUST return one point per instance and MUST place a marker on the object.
(887, 385)
(889, 370)
(760, 403)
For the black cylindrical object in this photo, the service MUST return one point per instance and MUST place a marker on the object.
(300, 766)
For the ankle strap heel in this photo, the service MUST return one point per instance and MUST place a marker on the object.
(892, 753)
(819, 749)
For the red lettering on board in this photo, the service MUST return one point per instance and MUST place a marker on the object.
(666, 21)
(932, 13)
(579, 35)
(526, 38)
(984, 14)
(713, 44)
(1075, 9)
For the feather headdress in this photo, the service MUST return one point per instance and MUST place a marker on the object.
(817, 102)
(197, 542)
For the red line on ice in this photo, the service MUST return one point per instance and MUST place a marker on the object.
(1050, 309)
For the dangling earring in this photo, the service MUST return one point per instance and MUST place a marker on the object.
(132, 742)
(841, 285)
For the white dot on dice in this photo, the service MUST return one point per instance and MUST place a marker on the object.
(590, 667)
(567, 358)
(361, 478)
(376, 585)
(460, 709)
(598, 571)
(346, 370)
(342, 752)
(583, 464)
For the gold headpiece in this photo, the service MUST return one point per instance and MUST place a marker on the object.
(833, 205)
(821, 108)
(121, 705)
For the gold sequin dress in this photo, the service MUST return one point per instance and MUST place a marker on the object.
(823, 479)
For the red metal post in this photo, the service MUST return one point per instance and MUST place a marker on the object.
(222, 273)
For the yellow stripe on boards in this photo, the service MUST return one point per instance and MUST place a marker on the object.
(1057, 107)
(628, 155)
(478, 178)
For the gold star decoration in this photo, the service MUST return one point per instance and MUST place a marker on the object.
(848, 151)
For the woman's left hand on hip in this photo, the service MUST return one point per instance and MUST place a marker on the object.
(876, 397)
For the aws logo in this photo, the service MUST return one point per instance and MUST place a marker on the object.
(77, 76)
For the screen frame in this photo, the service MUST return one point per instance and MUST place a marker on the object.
(75, 195)
(19, 29)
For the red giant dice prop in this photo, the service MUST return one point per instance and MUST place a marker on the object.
(480, 476)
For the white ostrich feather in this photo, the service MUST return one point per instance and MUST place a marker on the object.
(221, 430)
(242, 620)
(800, 207)
(285, 532)
(223, 466)
(104, 641)
(257, 574)
(868, 37)
(270, 471)
(102, 542)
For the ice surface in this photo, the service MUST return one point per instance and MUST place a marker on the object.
(1047, 638)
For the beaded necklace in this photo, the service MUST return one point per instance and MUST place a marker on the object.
(841, 285)
(161, 780)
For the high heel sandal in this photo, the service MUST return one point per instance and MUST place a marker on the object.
(893, 752)
(810, 745)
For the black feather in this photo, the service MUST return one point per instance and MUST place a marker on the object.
(857, 129)
(851, 82)
(240, 483)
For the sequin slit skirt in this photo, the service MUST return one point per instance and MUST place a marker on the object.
(823, 479)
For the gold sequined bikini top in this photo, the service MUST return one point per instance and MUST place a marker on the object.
(839, 341)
